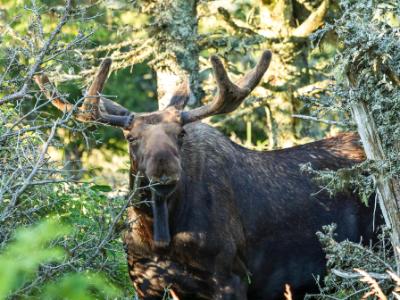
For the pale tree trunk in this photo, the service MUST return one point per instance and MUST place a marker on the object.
(178, 45)
(387, 188)
(288, 42)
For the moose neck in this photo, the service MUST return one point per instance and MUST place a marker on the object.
(161, 232)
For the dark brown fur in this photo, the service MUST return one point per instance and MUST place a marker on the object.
(238, 214)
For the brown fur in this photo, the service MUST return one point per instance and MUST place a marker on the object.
(229, 211)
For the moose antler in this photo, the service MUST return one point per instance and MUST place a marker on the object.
(94, 108)
(230, 95)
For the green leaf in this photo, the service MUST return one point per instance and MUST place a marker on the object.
(21, 259)
(101, 188)
(84, 286)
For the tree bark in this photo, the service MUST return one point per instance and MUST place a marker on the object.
(177, 25)
(290, 67)
(387, 188)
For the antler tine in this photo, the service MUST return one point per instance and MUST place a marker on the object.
(230, 95)
(252, 78)
(111, 113)
(92, 97)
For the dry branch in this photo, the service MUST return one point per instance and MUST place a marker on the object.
(314, 20)
(310, 118)
(39, 58)
(388, 199)
(352, 275)
(28, 180)
(375, 290)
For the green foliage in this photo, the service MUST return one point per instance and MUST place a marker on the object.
(358, 179)
(85, 286)
(34, 185)
(152, 32)
(30, 250)
(21, 259)
(366, 70)
(341, 281)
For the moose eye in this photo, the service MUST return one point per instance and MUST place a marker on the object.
(181, 134)
(132, 139)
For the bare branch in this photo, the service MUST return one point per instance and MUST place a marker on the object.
(28, 180)
(310, 118)
(111, 229)
(234, 23)
(314, 20)
(352, 275)
(39, 58)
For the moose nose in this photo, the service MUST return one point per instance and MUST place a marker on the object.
(164, 179)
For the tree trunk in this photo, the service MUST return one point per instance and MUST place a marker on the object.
(288, 42)
(387, 188)
(177, 25)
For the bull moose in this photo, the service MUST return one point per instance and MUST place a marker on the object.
(217, 220)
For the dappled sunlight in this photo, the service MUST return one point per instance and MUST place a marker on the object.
(107, 168)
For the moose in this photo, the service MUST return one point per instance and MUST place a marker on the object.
(216, 220)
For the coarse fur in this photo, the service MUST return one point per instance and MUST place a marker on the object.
(243, 222)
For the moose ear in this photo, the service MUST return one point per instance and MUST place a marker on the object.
(181, 96)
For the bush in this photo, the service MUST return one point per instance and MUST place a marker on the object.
(34, 251)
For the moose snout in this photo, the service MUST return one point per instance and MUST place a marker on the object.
(163, 167)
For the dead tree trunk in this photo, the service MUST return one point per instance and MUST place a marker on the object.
(387, 188)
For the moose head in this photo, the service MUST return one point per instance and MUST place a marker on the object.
(155, 138)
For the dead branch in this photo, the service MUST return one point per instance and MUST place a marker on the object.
(314, 20)
(352, 275)
(28, 180)
(375, 290)
(39, 58)
(310, 118)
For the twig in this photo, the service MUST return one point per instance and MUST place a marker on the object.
(39, 58)
(375, 289)
(259, 102)
(352, 275)
(116, 219)
(28, 180)
(310, 118)
(12, 59)
(314, 20)
(51, 181)
(228, 19)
